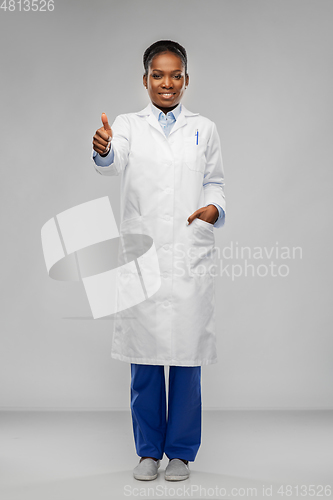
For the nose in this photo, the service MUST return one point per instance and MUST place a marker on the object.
(167, 83)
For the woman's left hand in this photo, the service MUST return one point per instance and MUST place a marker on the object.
(208, 214)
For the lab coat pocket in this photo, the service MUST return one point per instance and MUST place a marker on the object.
(203, 250)
(193, 157)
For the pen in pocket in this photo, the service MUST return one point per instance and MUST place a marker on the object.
(197, 135)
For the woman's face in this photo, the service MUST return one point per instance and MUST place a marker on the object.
(166, 81)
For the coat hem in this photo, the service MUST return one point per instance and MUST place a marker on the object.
(166, 362)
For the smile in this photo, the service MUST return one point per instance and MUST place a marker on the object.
(167, 95)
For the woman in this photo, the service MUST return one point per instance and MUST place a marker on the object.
(172, 189)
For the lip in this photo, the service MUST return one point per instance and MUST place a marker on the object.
(167, 95)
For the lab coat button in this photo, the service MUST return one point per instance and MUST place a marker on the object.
(166, 303)
(166, 247)
(165, 274)
(167, 217)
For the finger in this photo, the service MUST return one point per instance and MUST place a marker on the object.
(193, 216)
(98, 140)
(103, 134)
(100, 150)
(102, 146)
(106, 123)
(190, 220)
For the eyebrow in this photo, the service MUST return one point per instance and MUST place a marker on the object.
(173, 71)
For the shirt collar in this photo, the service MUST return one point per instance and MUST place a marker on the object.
(176, 111)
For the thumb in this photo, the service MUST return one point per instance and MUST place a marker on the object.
(105, 122)
(193, 216)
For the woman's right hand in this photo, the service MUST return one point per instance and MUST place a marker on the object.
(102, 138)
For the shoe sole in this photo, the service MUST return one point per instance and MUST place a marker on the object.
(176, 478)
(144, 478)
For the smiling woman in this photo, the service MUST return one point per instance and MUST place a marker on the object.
(172, 189)
(165, 77)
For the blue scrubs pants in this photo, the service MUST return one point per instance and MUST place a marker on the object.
(177, 434)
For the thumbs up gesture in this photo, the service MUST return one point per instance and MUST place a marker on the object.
(102, 137)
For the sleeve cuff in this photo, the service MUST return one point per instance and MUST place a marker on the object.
(103, 161)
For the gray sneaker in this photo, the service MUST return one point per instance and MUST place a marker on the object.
(177, 470)
(146, 470)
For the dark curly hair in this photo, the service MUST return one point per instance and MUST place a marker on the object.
(164, 46)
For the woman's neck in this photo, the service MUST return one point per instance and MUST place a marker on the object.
(166, 110)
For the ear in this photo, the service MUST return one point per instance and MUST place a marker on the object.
(187, 80)
(145, 81)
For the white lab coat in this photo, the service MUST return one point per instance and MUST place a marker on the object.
(163, 181)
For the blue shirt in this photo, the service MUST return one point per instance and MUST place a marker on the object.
(166, 121)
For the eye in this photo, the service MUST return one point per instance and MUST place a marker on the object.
(178, 77)
(156, 76)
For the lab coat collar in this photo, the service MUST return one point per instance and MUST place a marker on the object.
(153, 121)
(175, 112)
(148, 111)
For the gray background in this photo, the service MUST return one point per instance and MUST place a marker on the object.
(262, 70)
